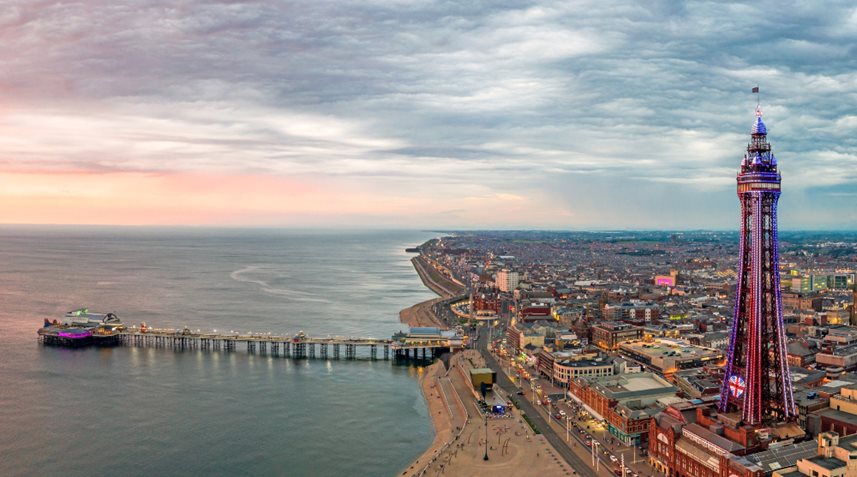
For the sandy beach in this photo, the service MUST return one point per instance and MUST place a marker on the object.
(445, 422)
(421, 315)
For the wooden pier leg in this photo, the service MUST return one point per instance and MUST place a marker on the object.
(386, 352)
(336, 351)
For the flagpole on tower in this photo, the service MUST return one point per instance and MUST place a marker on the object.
(756, 92)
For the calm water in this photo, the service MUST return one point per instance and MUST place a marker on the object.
(128, 411)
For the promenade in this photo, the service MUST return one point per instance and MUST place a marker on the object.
(435, 280)
(422, 314)
(577, 457)
(459, 450)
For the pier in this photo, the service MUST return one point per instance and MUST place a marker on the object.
(419, 343)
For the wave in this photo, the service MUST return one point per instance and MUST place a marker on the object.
(296, 295)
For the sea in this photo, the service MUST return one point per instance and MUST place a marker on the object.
(127, 411)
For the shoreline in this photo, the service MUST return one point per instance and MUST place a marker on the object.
(422, 315)
(441, 417)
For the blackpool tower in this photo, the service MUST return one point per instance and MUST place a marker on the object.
(757, 379)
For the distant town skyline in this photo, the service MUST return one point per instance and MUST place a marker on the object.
(418, 114)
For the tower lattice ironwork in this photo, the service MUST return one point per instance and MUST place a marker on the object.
(757, 378)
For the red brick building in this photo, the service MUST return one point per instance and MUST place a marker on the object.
(608, 335)
(626, 402)
(691, 440)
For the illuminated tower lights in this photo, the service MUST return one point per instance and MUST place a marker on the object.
(757, 378)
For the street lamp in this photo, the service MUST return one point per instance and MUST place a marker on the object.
(486, 438)
(533, 387)
(595, 454)
(567, 418)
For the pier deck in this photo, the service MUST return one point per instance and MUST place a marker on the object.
(298, 347)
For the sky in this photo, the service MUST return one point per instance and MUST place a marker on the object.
(422, 114)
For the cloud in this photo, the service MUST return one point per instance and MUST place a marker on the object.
(458, 104)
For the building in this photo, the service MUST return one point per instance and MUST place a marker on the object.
(521, 335)
(844, 357)
(836, 457)
(667, 280)
(513, 339)
(507, 280)
(485, 303)
(482, 377)
(689, 439)
(696, 384)
(841, 416)
(608, 335)
(801, 354)
(535, 311)
(799, 301)
(841, 336)
(565, 370)
(627, 402)
(631, 311)
(668, 355)
(757, 379)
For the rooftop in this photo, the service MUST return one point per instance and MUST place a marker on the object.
(627, 386)
(829, 463)
(583, 363)
(719, 441)
(785, 456)
(667, 347)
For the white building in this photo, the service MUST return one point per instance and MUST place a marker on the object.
(507, 280)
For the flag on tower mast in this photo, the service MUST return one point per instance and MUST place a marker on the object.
(755, 89)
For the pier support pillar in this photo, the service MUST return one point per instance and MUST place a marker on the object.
(336, 351)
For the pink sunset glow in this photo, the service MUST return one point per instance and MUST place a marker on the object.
(403, 114)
